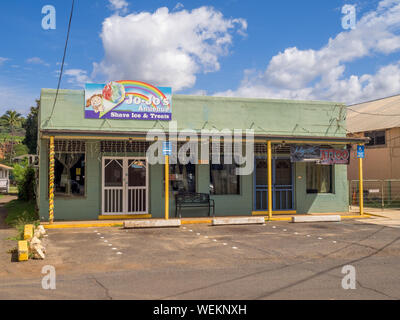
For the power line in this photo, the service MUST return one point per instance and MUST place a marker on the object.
(374, 114)
(63, 59)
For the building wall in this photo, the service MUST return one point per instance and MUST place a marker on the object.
(381, 162)
(283, 117)
(319, 203)
(89, 207)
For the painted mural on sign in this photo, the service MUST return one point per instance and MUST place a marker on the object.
(128, 100)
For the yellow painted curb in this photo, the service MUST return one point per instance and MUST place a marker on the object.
(374, 215)
(28, 231)
(278, 219)
(195, 221)
(83, 225)
(23, 253)
(356, 216)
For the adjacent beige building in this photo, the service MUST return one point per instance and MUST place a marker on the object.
(379, 120)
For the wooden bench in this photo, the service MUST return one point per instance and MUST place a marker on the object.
(193, 200)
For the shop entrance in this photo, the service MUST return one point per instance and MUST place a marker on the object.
(282, 184)
(125, 185)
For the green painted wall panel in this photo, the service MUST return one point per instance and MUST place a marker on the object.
(329, 202)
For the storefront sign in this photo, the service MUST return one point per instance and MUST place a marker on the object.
(334, 156)
(127, 100)
(304, 153)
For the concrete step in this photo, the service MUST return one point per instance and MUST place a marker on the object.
(329, 218)
(238, 220)
(152, 223)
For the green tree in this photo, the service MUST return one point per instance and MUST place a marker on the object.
(31, 128)
(11, 120)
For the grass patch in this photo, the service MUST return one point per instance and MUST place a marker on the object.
(21, 213)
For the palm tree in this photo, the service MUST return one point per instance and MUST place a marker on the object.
(11, 120)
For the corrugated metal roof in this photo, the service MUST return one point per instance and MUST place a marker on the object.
(365, 118)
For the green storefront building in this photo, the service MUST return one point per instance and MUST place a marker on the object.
(101, 170)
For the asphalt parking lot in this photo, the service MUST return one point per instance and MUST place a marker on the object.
(278, 260)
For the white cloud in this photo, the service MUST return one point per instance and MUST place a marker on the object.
(2, 60)
(166, 48)
(120, 6)
(77, 77)
(37, 60)
(319, 74)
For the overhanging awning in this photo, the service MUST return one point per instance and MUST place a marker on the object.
(136, 135)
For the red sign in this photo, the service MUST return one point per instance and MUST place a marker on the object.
(334, 156)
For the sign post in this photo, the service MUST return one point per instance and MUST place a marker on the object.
(361, 156)
(167, 150)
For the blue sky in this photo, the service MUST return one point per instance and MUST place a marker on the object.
(270, 49)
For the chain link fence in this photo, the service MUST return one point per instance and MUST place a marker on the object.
(377, 193)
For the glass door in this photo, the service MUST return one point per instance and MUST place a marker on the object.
(137, 186)
(113, 186)
(282, 184)
(125, 182)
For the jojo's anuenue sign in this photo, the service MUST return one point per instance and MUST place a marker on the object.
(127, 100)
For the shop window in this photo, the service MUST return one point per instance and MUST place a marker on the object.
(182, 177)
(319, 178)
(376, 138)
(223, 179)
(69, 174)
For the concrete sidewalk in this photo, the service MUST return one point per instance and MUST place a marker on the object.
(386, 217)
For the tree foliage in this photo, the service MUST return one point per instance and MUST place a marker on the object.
(31, 128)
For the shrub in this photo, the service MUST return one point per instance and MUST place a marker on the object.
(26, 182)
